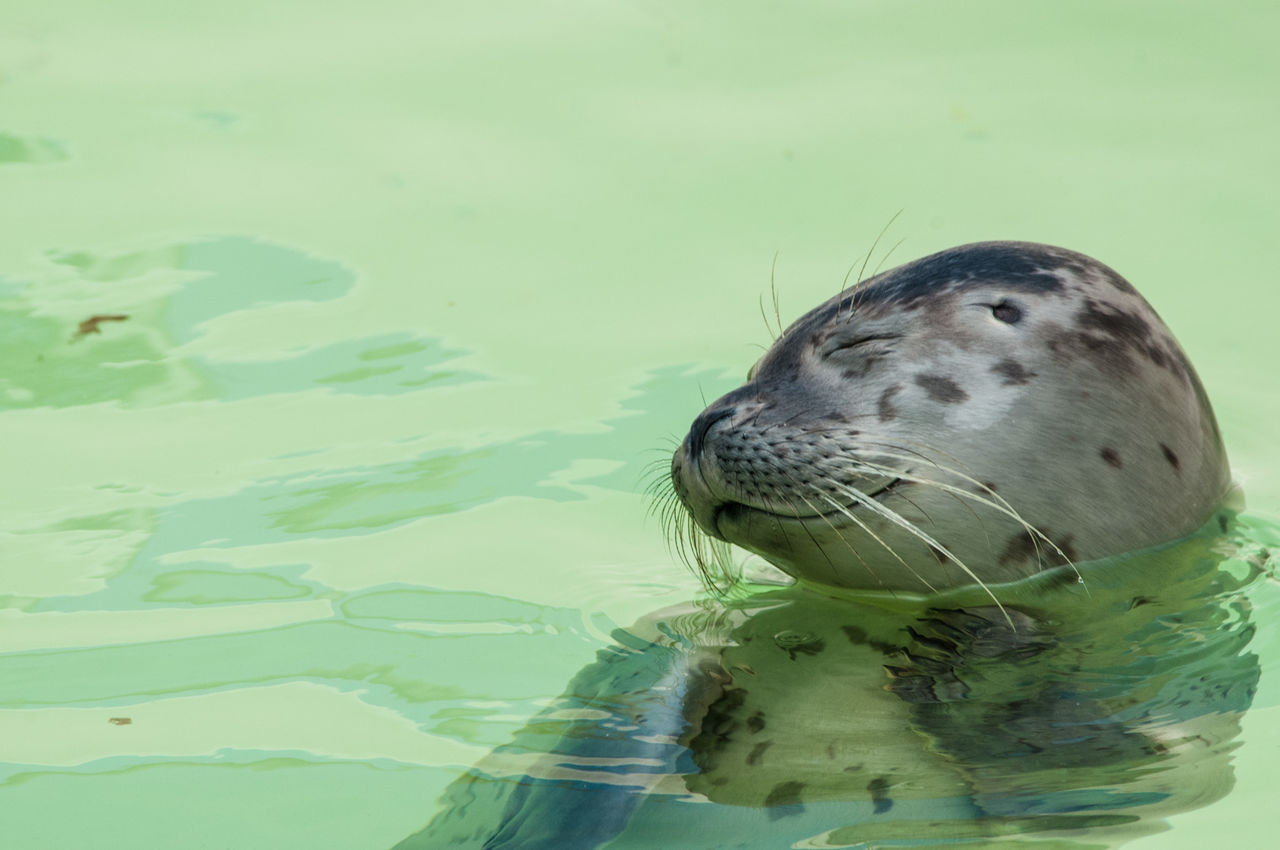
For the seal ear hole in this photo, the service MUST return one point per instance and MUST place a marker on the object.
(1007, 312)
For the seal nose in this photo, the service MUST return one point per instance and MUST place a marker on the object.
(702, 426)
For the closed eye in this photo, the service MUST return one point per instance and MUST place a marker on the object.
(845, 345)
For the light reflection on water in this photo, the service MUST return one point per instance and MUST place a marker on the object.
(789, 719)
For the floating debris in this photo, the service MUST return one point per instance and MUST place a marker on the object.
(90, 325)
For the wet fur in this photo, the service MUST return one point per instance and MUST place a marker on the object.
(975, 416)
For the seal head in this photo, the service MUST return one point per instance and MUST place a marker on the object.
(975, 416)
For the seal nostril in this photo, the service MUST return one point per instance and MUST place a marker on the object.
(702, 426)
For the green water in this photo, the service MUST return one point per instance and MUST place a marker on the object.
(415, 291)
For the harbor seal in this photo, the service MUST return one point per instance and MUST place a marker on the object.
(973, 417)
(984, 415)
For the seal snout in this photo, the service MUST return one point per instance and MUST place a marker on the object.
(695, 471)
(707, 420)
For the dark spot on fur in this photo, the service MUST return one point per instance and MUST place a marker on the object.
(887, 411)
(1013, 372)
(1112, 337)
(753, 758)
(836, 416)
(1171, 458)
(1112, 457)
(784, 794)
(990, 486)
(867, 365)
(879, 789)
(1025, 547)
(1106, 353)
(1113, 322)
(1138, 602)
(938, 554)
(756, 722)
(942, 389)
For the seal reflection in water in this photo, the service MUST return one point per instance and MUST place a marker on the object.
(950, 431)
(978, 415)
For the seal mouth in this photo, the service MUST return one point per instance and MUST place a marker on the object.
(738, 512)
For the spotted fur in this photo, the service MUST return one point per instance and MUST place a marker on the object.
(925, 428)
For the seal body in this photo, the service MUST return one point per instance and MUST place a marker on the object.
(975, 416)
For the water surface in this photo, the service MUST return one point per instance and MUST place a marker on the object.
(416, 291)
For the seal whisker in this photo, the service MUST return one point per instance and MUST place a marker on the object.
(874, 244)
(831, 525)
(844, 287)
(765, 317)
(830, 565)
(911, 528)
(901, 475)
(683, 537)
(997, 502)
(858, 289)
(656, 475)
(862, 464)
(844, 284)
(933, 461)
(1003, 505)
(844, 510)
(696, 549)
(924, 447)
(783, 531)
(671, 513)
(887, 255)
(773, 289)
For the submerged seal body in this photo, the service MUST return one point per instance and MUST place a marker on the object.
(975, 416)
